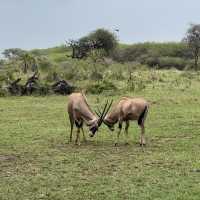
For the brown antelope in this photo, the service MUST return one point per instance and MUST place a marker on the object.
(80, 112)
(125, 110)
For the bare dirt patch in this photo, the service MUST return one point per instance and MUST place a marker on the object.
(8, 158)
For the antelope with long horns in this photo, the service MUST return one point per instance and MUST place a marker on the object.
(80, 112)
(127, 109)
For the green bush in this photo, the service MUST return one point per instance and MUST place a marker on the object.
(3, 77)
(164, 55)
(96, 76)
(3, 92)
(170, 62)
(45, 64)
(166, 62)
(100, 87)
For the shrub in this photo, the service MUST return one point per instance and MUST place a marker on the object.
(3, 92)
(96, 76)
(3, 77)
(136, 82)
(170, 62)
(154, 53)
(98, 88)
(166, 62)
(45, 64)
(51, 76)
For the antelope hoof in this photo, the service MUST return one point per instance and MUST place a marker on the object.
(116, 144)
(77, 143)
(142, 144)
(85, 141)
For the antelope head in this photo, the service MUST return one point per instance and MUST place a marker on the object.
(94, 125)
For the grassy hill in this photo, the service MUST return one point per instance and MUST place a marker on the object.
(99, 74)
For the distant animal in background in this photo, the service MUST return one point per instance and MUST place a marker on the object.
(128, 109)
(80, 112)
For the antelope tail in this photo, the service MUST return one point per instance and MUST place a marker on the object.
(143, 116)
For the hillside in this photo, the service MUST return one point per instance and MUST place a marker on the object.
(96, 74)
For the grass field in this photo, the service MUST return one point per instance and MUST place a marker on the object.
(37, 162)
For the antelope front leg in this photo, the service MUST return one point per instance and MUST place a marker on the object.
(84, 138)
(77, 141)
(142, 138)
(118, 134)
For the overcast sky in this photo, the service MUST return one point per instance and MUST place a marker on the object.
(45, 23)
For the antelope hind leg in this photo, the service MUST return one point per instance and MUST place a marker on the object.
(126, 133)
(118, 134)
(142, 137)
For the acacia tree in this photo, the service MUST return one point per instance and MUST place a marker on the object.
(192, 38)
(99, 39)
(104, 39)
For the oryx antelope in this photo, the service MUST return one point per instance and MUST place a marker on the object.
(80, 112)
(128, 109)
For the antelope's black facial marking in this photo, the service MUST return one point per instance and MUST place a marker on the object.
(93, 131)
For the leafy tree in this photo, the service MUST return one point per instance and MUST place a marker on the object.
(103, 39)
(13, 53)
(99, 39)
(192, 38)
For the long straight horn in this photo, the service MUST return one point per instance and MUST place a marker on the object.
(108, 109)
(102, 114)
(97, 113)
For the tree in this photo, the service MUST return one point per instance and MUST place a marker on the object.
(193, 40)
(74, 45)
(103, 39)
(99, 39)
(28, 62)
(81, 47)
(13, 53)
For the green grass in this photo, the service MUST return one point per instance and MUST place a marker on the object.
(37, 162)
